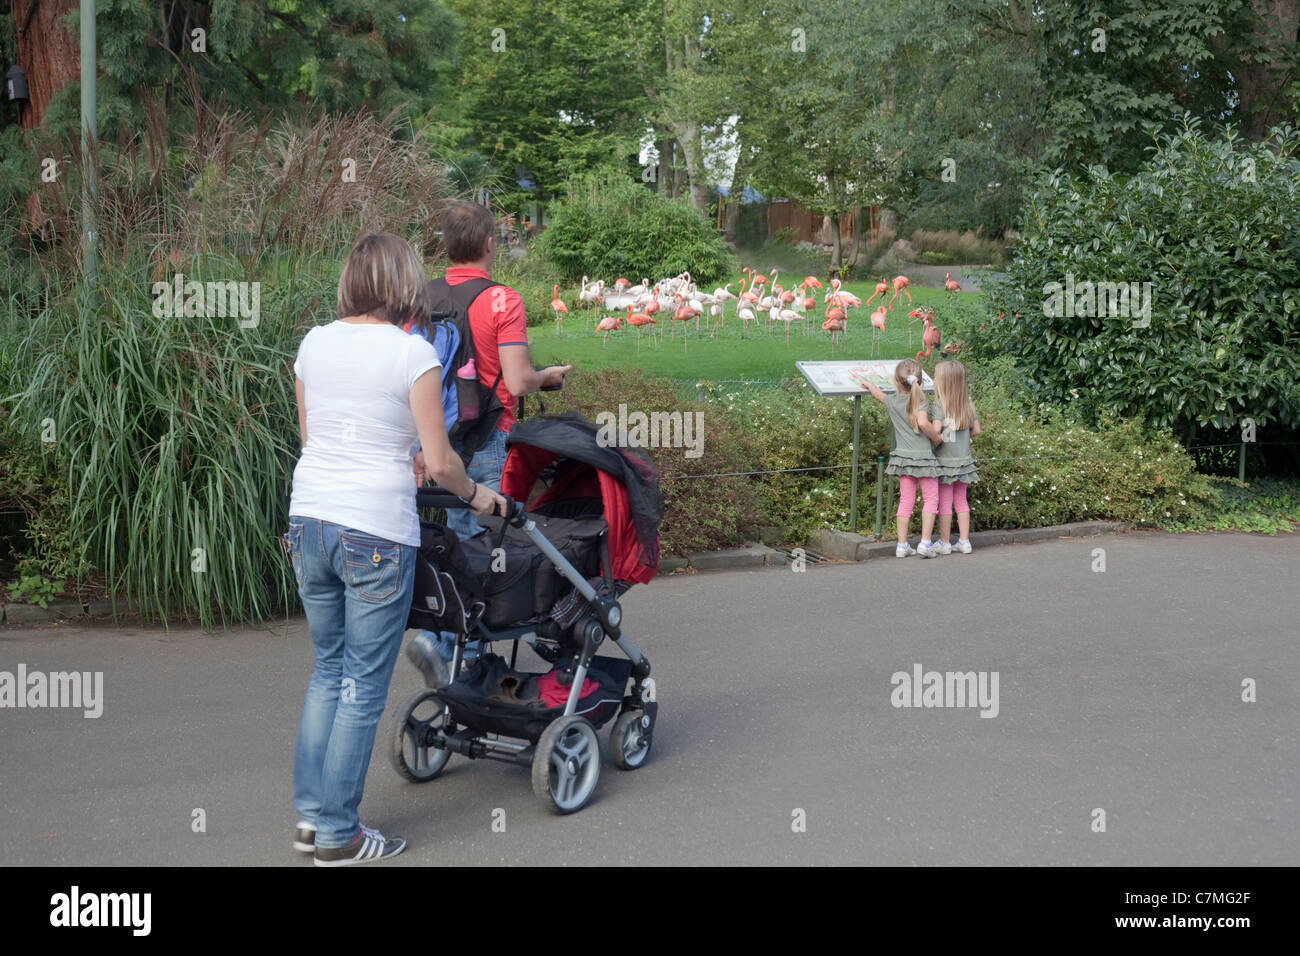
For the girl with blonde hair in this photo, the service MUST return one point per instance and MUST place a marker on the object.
(952, 408)
(912, 458)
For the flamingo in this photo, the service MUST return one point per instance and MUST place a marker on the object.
(834, 324)
(718, 312)
(640, 288)
(918, 313)
(878, 321)
(881, 288)
(900, 285)
(787, 316)
(654, 305)
(951, 284)
(610, 323)
(929, 338)
(638, 320)
(561, 310)
(746, 315)
(620, 284)
(683, 313)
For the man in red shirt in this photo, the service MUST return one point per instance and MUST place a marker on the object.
(497, 322)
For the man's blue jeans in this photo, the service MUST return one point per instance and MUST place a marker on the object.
(484, 469)
(356, 590)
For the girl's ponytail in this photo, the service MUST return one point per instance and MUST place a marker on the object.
(907, 375)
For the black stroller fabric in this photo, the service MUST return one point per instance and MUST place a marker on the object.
(492, 698)
(520, 582)
(447, 595)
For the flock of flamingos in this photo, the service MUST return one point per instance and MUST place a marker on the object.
(761, 301)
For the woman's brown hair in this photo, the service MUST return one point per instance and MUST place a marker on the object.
(383, 277)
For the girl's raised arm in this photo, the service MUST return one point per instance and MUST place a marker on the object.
(875, 391)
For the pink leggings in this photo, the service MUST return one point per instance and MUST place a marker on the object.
(953, 498)
(907, 495)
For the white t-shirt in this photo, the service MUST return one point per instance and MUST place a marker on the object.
(355, 469)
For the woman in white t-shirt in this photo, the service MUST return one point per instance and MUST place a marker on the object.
(367, 393)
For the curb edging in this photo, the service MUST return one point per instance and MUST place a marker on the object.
(847, 546)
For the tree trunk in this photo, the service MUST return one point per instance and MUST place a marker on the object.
(663, 176)
(855, 242)
(739, 179)
(46, 51)
(836, 247)
(1259, 85)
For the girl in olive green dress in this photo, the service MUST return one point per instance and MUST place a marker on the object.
(952, 408)
(912, 459)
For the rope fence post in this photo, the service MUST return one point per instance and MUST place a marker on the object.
(853, 481)
(1241, 464)
(880, 491)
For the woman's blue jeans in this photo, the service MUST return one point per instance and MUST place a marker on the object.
(356, 590)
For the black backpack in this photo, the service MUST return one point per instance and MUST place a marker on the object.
(450, 304)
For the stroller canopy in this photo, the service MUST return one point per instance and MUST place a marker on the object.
(624, 479)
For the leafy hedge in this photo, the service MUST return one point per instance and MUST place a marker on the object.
(609, 226)
(1214, 225)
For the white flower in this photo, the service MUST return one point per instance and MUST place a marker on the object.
(1107, 497)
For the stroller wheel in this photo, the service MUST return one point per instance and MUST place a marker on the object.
(629, 739)
(566, 764)
(412, 752)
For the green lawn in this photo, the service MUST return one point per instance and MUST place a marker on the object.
(758, 355)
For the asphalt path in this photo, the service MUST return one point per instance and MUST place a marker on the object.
(1118, 691)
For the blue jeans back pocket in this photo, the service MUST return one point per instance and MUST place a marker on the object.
(373, 565)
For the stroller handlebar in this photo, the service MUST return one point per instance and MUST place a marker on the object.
(435, 497)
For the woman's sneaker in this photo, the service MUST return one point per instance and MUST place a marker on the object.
(369, 846)
(904, 550)
(963, 546)
(943, 547)
(926, 550)
(304, 837)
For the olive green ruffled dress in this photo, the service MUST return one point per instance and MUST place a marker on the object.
(912, 454)
(955, 461)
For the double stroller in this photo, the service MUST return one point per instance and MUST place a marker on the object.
(582, 526)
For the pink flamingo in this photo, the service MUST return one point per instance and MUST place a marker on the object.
(900, 285)
(610, 323)
(638, 320)
(929, 338)
(881, 288)
(561, 310)
(878, 323)
(951, 284)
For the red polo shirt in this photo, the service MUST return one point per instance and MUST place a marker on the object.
(496, 319)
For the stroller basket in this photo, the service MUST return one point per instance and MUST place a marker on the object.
(494, 699)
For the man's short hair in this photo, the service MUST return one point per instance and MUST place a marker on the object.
(383, 277)
(466, 229)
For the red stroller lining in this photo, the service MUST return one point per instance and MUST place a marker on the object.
(577, 480)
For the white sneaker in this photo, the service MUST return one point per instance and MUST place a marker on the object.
(963, 546)
(943, 547)
(904, 550)
(927, 550)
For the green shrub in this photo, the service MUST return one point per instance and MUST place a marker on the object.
(609, 226)
(1214, 225)
(949, 247)
(178, 436)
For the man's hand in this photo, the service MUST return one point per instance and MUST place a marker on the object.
(553, 375)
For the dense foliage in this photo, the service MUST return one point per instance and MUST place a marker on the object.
(610, 226)
(1213, 225)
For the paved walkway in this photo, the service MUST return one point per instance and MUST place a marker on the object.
(1118, 691)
